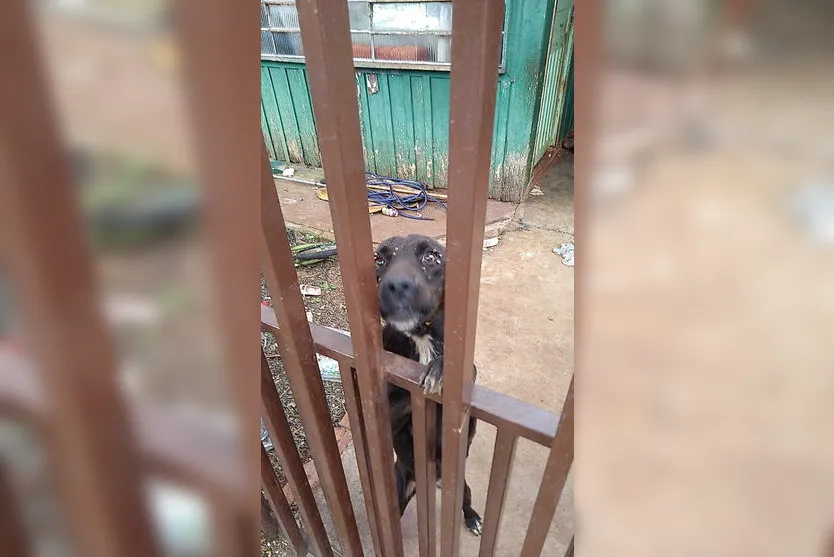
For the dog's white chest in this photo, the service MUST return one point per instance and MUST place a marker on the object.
(425, 348)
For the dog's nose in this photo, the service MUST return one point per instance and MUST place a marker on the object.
(401, 287)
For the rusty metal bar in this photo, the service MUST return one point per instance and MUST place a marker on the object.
(279, 432)
(476, 49)
(499, 476)
(14, 538)
(269, 524)
(280, 506)
(569, 551)
(553, 481)
(357, 428)
(327, 46)
(90, 442)
(522, 419)
(221, 112)
(424, 426)
(299, 356)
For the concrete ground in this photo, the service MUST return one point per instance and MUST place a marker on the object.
(524, 342)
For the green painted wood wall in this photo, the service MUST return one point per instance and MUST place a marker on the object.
(405, 121)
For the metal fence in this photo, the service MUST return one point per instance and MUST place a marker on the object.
(71, 388)
(365, 368)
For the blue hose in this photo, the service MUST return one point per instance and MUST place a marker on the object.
(402, 202)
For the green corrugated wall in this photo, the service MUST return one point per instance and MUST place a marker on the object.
(557, 81)
(405, 121)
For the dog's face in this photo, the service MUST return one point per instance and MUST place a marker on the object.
(410, 278)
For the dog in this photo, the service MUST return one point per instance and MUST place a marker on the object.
(410, 274)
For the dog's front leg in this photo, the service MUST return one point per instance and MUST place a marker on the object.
(431, 379)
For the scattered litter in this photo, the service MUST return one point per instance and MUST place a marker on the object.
(265, 440)
(813, 205)
(310, 290)
(390, 211)
(536, 191)
(288, 172)
(490, 243)
(309, 316)
(565, 251)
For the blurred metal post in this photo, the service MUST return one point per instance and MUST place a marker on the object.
(91, 445)
(227, 149)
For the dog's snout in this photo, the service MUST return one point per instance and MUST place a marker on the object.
(400, 287)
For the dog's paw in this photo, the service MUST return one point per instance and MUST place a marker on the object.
(432, 378)
(475, 525)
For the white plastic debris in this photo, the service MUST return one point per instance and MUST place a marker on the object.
(288, 172)
(490, 242)
(307, 290)
(536, 191)
(565, 251)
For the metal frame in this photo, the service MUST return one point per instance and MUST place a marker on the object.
(373, 62)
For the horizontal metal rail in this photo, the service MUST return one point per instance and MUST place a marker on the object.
(511, 415)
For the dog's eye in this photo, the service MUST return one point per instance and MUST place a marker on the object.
(378, 261)
(431, 258)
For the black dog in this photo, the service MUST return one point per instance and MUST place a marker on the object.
(410, 275)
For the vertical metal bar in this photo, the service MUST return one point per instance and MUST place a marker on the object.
(279, 432)
(327, 44)
(299, 355)
(569, 551)
(555, 475)
(476, 48)
(357, 427)
(221, 117)
(502, 461)
(270, 527)
(280, 505)
(424, 426)
(13, 536)
(91, 444)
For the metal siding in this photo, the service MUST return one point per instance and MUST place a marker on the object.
(405, 123)
(560, 49)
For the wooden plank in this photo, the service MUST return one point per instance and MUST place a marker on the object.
(476, 49)
(499, 476)
(286, 110)
(424, 426)
(273, 115)
(300, 94)
(422, 127)
(267, 134)
(279, 432)
(439, 89)
(92, 449)
(402, 117)
(555, 475)
(379, 116)
(298, 354)
(280, 506)
(327, 43)
(360, 438)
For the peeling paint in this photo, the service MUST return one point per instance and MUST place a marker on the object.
(510, 183)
